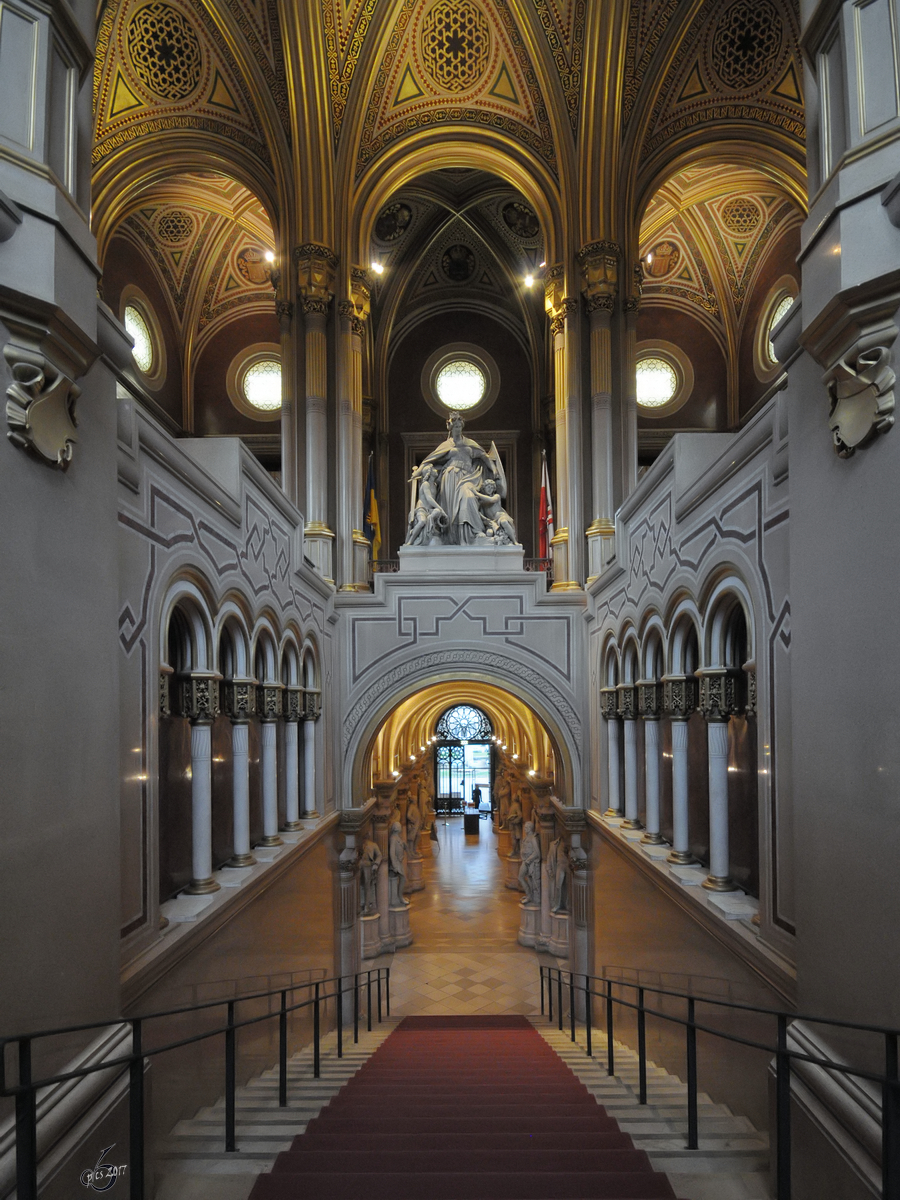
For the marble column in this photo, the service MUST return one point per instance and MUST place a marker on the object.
(200, 704)
(566, 546)
(679, 701)
(290, 438)
(292, 705)
(718, 701)
(627, 711)
(312, 708)
(631, 309)
(268, 703)
(240, 704)
(599, 271)
(352, 545)
(316, 267)
(609, 699)
(649, 706)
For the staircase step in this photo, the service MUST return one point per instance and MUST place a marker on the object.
(464, 1186)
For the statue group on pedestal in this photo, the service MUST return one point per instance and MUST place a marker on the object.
(457, 495)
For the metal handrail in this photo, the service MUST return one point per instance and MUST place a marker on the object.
(784, 1055)
(25, 1090)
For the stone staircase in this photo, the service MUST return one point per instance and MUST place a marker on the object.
(732, 1162)
(191, 1164)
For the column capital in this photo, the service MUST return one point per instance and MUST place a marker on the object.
(627, 706)
(720, 692)
(268, 701)
(165, 702)
(632, 302)
(316, 269)
(609, 702)
(292, 703)
(599, 262)
(649, 699)
(199, 697)
(312, 704)
(679, 695)
(240, 700)
(557, 304)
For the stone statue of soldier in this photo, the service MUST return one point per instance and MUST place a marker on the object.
(530, 870)
(557, 868)
(413, 825)
(397, 854)
(369, 862)
(514, 824)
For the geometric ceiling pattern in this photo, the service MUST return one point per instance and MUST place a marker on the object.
(206, 238)
(704, 237)
(563, 24)
(455, 61)
(738, 62)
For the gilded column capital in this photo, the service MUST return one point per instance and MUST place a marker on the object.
(632, 303)
(599, 262)
(316, 270)
(720, 692)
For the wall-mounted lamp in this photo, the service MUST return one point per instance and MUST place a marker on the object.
(377, 267)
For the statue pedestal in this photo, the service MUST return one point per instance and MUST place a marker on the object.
(425, 844)
(399, 924)
(370, 937)
(481, 559)
(513, 863)
(504, 843)
(558, 942)
(529, 924)
(414, 880)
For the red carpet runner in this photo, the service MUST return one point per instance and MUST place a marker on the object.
(463, 1108)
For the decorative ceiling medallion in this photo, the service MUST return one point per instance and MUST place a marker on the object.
(458, 263)
(175, 226)
(747, 43)
(741, 216)
(164, 51)
(521, 221)
(393, 221)
(456, 44)
(251, 264)
(662, 260)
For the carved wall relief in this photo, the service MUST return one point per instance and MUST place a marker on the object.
(40, 407)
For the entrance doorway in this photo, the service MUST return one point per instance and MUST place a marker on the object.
(463, 760)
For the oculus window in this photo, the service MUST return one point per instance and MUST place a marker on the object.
(664, 378)
(149, 353)
(254, 382)
(142, 351)
(460, 378)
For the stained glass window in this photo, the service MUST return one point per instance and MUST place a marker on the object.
(657, 382)
(464, 724)
(460, 384)
(780, 311)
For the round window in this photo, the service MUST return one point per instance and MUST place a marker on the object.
(261, 385)
(142, 351)
(657, 382)
(460, 385)
(778, 313)
(460, 378)
(253, 381)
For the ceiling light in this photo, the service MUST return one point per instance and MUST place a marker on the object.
(377, 268)
(270, 256)
(515, 756)
(532, 772)
(543, 264)
(529, 280)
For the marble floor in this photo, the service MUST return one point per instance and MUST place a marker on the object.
(464, 957)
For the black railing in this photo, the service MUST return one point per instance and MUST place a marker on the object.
(578, 987)
(321, 992)
(538, 564)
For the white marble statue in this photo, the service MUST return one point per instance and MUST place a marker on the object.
(397, 854)
(502, 793)
(369, 862)
(530, 870)
(457, 495)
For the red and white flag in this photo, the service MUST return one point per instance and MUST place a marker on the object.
(545, 513)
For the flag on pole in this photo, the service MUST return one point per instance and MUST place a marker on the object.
(545, 513)
(371, 525)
